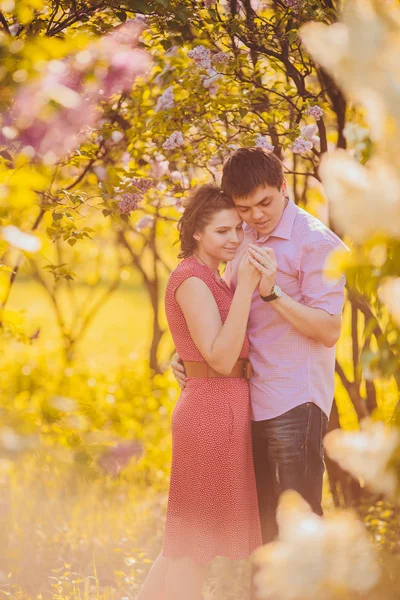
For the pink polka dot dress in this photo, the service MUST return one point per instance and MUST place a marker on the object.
(212, 504)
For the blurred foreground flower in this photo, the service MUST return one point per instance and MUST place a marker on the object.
(389, 294)
(114, 459)
(315, 558)
(366, 454)
(19, 239)
(364, 200)
(52, 114)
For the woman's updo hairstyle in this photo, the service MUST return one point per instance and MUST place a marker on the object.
(200, 207)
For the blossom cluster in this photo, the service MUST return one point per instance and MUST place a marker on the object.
(322, 555)
(367, 453)
(52, 114)
(314, 111)
(144, 223)
(166, 100)
(201, 57)
(221, 58)
(129, 201)
(262, 142)
(174, 141)
(292, 4)
(301, 145)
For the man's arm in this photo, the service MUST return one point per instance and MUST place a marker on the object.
(179, 371)
(317, 323)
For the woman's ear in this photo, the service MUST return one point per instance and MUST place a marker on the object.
(196, 236)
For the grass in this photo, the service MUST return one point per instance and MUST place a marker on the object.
(76, 535)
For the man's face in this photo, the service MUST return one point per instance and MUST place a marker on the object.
(262, 210)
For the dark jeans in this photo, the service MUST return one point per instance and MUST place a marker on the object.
(288, 454)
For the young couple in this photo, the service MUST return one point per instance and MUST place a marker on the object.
(256, 368)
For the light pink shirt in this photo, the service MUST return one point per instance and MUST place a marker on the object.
(290, 368)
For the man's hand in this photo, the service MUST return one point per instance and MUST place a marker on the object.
(265, 261)
(179, 371)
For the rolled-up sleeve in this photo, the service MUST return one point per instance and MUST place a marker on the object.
(317, 291)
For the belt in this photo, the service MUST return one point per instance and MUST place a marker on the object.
(242, 368)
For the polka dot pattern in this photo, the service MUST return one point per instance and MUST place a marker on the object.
(212, 504)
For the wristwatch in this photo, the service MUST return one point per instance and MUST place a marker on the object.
(276, 292)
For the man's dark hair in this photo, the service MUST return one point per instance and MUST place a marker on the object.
(249, 168)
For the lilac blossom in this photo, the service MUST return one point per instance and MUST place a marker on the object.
(114, 459)
(174, 141)
(314, 111)
(262, 142)
(221, 58)
(52, 114)
(301, 145)
(292, 4)
(166, 100)
(201, 57)
(143, 185)
(129, 202)
(144, 223)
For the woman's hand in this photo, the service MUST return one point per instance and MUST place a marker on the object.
(248, 275)
(264, 260)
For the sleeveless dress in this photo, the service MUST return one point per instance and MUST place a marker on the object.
(212, 503)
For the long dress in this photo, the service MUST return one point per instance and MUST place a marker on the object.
(212, 504)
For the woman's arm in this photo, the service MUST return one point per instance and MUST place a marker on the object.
(220, 344)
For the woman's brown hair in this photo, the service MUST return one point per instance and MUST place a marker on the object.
(200, 207)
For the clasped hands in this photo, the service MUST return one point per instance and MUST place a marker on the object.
(264, 260)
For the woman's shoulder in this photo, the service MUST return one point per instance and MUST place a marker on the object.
(188, 267)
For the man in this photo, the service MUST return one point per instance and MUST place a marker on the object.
(294, 324)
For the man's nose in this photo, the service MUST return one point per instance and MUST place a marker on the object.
(257, 214)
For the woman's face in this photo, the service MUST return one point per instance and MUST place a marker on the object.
(222, 237)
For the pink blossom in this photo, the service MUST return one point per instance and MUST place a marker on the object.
(166, 100)
(222, 58)
(308, 131)
(209, 3)
(143, 185)
(201, 57)
(144, 223)
(129, 202)
(314, 111)
(53, 113)
(114, 459)
(292, 3)
(262, 142)
(301, 145)
(174, 141)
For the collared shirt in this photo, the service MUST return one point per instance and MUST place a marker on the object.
(290, 368)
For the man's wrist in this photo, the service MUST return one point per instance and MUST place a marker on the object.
(274, 294)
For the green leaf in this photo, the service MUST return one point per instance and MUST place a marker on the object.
(72, 242)
(121, 14)
(243, 112)
(139, 6)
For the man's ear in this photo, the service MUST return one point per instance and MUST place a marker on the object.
(284, 187)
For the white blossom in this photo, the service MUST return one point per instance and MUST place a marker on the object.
(366, 453)
(21, 240)
(314, 556)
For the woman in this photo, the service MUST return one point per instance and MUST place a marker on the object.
(212, 504)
